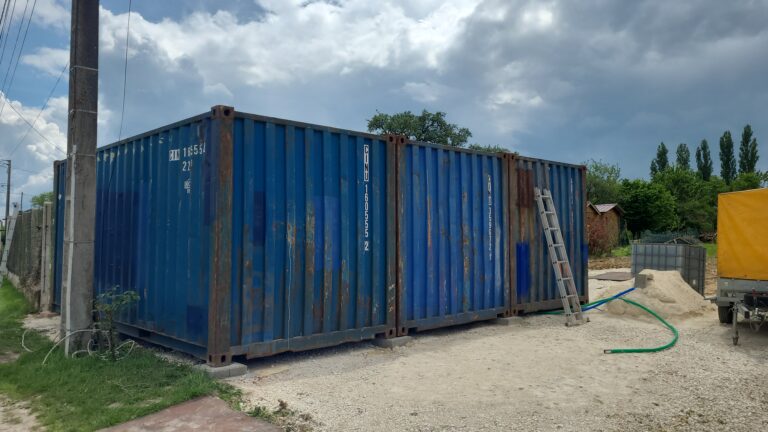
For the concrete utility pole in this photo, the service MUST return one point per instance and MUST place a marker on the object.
(79, 218)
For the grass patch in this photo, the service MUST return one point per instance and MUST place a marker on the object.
(89, 393)
(711, 249)
(13, 308)
(622, 251)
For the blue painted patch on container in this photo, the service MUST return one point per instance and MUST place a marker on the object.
(523, 272)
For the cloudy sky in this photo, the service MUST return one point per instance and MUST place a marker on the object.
(560, 80)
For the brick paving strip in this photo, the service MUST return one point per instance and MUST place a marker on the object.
(203, 414)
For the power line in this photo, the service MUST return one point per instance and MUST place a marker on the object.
(35, 129)
(9, 22)
(125, 69)
(15, 45)
(58, 80)
(21, 50)
(2, 16)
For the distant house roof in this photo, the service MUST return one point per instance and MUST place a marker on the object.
(592, 206)
(604, 208)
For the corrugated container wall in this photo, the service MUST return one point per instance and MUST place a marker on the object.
(313, 260)
(534, 287)
(452, 261)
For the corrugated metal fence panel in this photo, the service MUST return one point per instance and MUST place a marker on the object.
(451, 237)
(688, 260)
(310, 237)
(534, 286)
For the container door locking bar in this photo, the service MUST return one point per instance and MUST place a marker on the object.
(559, 258)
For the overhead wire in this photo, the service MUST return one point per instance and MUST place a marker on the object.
(15, 45)
(45, 105)
(8, 24)
(3, 17)
(2, 14)
(125, 70)
(6, 90)
(35, 129)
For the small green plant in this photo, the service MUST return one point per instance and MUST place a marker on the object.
(108, 306)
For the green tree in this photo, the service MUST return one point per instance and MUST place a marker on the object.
(39, 200)
(727, 158)
(426, 127)
(603, 184)
(747, 181)
(661, 162)
(694, 201)
(683, 157)
(647, 206)
(704, 161)
(748, 156)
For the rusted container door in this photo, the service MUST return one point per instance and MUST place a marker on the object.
(452, 239)
(533, 282)
(311, 241)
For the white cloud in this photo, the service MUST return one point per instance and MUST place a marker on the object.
(53, 13)
(34, 156)
(48, 60)
(424, 91)
(295, 41)
(538, 18)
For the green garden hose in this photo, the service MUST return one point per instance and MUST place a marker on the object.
(668, 345)
(600, 302)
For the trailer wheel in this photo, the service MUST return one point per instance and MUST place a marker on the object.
(725, 313)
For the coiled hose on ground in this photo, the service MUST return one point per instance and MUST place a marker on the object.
(619, 296)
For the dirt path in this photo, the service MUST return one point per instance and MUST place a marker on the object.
(534, 375)
(15, 417)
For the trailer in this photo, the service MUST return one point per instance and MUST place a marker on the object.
(742, 258)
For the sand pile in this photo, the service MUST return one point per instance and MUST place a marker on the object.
(666, 293)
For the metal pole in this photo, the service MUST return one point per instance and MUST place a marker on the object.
(21, 203)
(79, 218)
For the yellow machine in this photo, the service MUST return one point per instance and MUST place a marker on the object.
(742, 257)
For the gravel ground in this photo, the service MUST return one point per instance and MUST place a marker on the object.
(533, 375)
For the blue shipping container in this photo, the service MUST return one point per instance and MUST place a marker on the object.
(452, 253)
(249, 235)
(246, 235)
(533, 285)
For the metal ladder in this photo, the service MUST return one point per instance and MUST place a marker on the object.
(559, 258)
